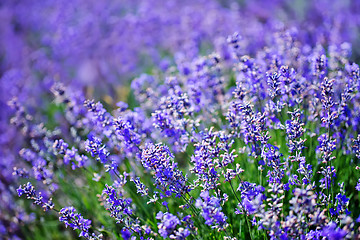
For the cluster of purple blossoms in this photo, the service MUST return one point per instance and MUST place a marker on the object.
(71, 218)
(295, 130)
(252, 196)
(30, 192)
(119, 207)
(271, 156)
(168, 226)
(69, 154)
(168, 178)
(211, 210)
(96, 149)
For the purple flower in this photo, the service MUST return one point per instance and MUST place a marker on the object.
(125, 234)
(168, 177)
(141, 188)
(319, 64)
(252, 196)
(94, 146)
(332, 232)
(342, 203)
(60, 146)
(211, 210)
(356, 146)
(294, 131)
(274, 84)
(326, 146)
(168, 226)
(358, 185)
(119, 207)
(313, 235)
(125, 131)
(30, 192)
(71, 218)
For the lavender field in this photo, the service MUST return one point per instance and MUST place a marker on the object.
(191, 119)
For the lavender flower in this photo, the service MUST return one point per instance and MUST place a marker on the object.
(328, 101)
(302, 204)
(167, 176)
(211, 210)
(141, 188)
(274, 84)
(60, 146)
(326, 146)
(38, 199)
(121, 210)
(119, 207)
(294, 131)
(252, 197)
(96, 149)
(71, 218)
(356, 146)
(358, 185)
(331, 231)
(271, 156)
(168, 226)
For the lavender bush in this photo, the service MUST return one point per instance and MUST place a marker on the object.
(179, 119)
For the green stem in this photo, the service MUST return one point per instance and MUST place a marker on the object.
(246, 217)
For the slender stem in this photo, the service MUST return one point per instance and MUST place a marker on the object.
(117, 174)
(227, 234)
(246, 217)
(190, 205)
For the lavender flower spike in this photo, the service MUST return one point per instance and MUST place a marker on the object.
(38, 199)
(211, 211)
(168, 227)
(71, 218)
